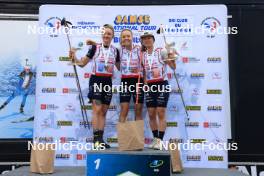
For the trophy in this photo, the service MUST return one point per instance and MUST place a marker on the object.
(170, 50)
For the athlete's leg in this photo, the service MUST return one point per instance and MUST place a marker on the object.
(125, 97)
(97, 108)
(162, 101)
(101, 123)
(105, 100)
(102, 116)
(24, 93)
(95, 97)
(151, 103)
(161, 111)
(138, 111)
(152, 112)
(124, 111)
(11, 97)
(138, 98)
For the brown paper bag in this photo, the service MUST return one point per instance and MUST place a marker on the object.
(176, 159)
(130, 135)
(42, 161)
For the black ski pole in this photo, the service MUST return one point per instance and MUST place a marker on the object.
(84, 114)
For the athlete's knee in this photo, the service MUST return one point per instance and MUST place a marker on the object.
(123, 113)
(162, 118)
(96, 111)
(161, 113)
(103, 113)
(124, 105)
(103, 110)
(124, 109)
(100, 112)
(138, 114)
(152, 114)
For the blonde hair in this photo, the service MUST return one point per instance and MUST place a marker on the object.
(109, 26)
(122, 33)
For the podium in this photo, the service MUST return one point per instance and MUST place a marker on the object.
(112, 162)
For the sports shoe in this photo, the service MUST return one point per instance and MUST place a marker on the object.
(107, 146)
(155, 144)
(98, 144)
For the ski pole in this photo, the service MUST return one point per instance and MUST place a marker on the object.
(84, 114)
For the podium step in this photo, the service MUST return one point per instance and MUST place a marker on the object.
(80, 171)
(112, 162)
(139, 152)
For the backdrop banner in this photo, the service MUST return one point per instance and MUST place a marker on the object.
(202, 71)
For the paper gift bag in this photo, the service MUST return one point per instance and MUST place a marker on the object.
(175, 158)
(42, 161)
(130, 135)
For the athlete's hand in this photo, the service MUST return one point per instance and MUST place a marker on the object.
(172, 54)
(72, 54)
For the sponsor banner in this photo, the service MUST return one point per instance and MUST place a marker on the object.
(202, 72)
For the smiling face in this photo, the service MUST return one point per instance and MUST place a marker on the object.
(126, 38)
(107, 36)
(148, 41)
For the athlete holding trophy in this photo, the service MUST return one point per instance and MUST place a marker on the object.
(154, 63)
